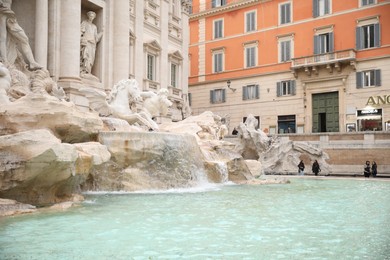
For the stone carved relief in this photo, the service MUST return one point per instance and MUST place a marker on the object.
(89, 40)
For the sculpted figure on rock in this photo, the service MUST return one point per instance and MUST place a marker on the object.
(118, 103)
(156, 104)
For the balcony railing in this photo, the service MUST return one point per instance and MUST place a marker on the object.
(324, 59)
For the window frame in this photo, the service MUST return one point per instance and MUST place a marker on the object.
(174, 74)
(363, 41)
(362, 4)
(373, 75)
(249, 22)
(285, 88)
(250, 92)
(217, 96)
(216, 66)
(327, 8)
(151, 68)
(285, 50)
(323, 41)
(217, 3)
(218, 30)
(251, 46)
(283, 18)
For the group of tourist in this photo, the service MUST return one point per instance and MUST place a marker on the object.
(370, 169)
(315, 168)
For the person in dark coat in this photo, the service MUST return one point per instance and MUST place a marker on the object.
(316, 167)
(301, 168)
(374, 169)
(367, 169)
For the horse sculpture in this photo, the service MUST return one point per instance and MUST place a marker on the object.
(117, 103)
(156, 104)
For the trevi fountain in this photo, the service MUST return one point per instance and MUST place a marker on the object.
(115, 182)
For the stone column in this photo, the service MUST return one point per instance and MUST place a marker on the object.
(41, 31)
(121, 44)
(69, 63)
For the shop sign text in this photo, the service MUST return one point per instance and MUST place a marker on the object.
(378, 100)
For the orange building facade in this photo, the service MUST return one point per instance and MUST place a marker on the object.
(299, 66)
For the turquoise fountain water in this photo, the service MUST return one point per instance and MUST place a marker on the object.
(306, 219)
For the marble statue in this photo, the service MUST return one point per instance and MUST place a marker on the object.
(156, 104)
(13, 38)
(5, 83)
(117, 103)
(89, 39)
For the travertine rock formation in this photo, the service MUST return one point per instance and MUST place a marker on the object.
(37, 111)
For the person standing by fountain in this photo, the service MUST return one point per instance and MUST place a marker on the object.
(367, 169)
(301, 168)
(316, 168)
(374, 169)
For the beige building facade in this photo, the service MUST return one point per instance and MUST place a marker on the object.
(145, 40)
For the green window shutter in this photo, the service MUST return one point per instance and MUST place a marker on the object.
(212, 96)
(331, 42)
(244, 93)
(315, 8)
(316, 44)
(378, 78)
(359, 38)
(223, 95)
(257, 91)
(359, 80)
(377, 34)
(278, 89)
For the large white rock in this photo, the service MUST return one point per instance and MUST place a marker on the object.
(36, 111)
(36, 168)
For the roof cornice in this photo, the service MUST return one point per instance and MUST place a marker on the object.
(226, 8)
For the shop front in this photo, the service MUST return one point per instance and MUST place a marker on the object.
(369, 119)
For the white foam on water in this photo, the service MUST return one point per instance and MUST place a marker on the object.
(196, 189)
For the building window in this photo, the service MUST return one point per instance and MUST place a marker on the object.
(151, 67)
(286, 124)
(368, 36)
(321, 7)
(218, 29)
(368, 78)
(285, 88)
(217, 3)
(285, 13)
(323, 43)
(217, 61)
(250, 21)
(367, 2)
(152, 60)
(174, 75)
(285, 50)
(250, 92)
(217, 96)
(250, 55)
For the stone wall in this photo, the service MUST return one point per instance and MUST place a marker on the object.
(349, 151)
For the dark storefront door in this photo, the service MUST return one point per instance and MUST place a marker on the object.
(326, 112)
